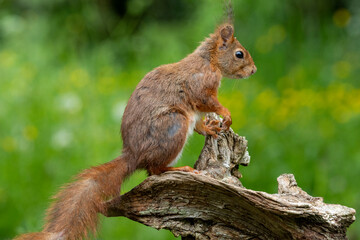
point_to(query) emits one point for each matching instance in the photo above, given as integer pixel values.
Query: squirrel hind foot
(182, 169)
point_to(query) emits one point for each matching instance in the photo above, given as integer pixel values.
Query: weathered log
(214, 205)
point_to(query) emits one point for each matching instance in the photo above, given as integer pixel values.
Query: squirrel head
(232, 59)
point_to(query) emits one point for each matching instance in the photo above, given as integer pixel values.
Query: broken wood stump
(215, 205)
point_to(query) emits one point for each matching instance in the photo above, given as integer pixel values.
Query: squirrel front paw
(226, 123)
(212, 128)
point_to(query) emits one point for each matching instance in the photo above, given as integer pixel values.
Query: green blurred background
(68, 67)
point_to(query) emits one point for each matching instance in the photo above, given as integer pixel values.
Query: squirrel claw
(212, 128)
(226, 123)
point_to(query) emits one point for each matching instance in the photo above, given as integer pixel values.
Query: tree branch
(214, 205)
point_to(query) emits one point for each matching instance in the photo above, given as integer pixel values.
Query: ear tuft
(227, 33)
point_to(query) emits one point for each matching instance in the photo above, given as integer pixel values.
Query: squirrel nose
(254, 70)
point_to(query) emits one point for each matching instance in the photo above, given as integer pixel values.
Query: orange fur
(75, 210)
(38, 236)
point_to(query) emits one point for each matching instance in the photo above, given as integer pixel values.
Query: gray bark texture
(215, 205)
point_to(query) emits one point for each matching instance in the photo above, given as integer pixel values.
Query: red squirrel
(165, 108)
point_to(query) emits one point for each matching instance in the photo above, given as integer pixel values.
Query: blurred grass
(68, 68)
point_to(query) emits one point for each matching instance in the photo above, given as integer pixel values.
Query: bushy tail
(38, 236)
(74, 212)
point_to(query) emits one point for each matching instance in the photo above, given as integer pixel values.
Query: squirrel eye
(239, 54)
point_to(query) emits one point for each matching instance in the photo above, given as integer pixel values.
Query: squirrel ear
(227, 34)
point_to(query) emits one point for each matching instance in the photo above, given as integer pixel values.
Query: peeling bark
(214, 205)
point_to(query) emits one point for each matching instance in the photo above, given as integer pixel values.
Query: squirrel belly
(192, 122)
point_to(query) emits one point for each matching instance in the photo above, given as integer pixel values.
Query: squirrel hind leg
(166, 140)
